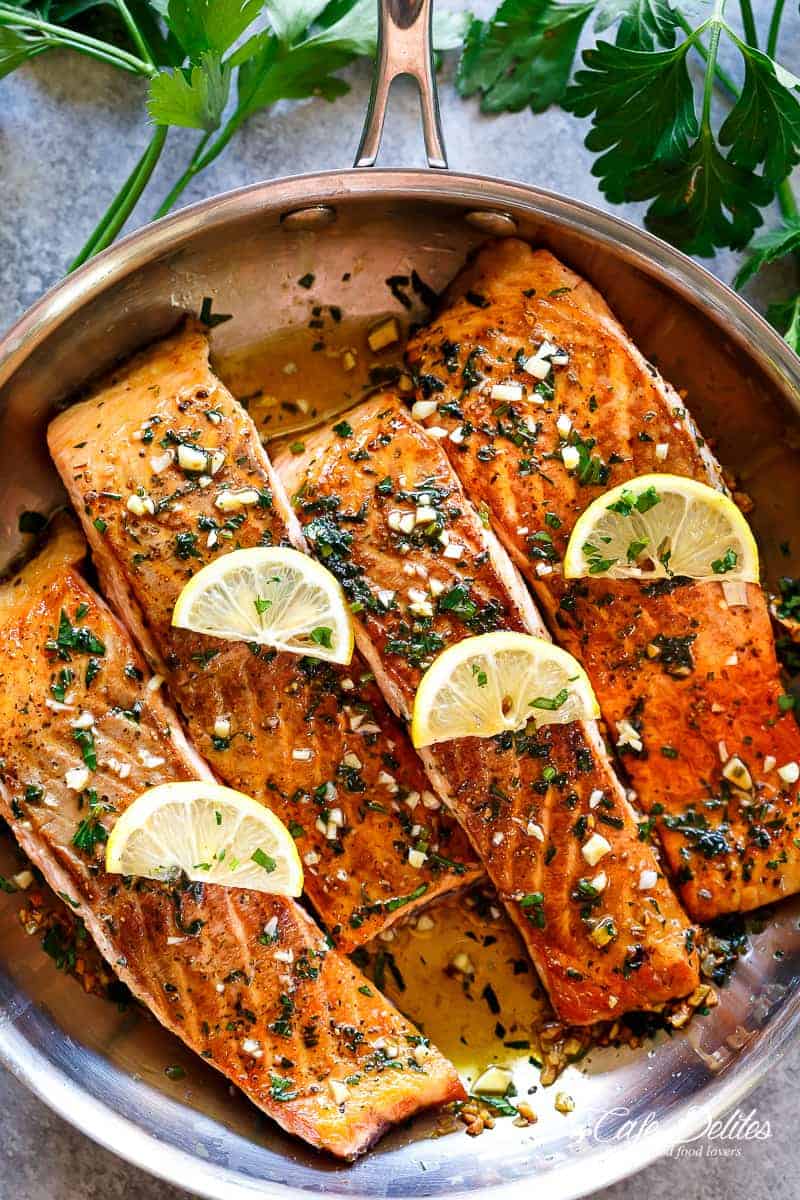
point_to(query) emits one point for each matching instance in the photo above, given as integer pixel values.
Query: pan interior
(106, 1069)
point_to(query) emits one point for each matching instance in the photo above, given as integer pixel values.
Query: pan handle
(404, 48)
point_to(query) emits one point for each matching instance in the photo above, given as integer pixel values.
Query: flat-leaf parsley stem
(137, 37)
(713, 51)
(21, 19)
(203, 156)
(125, 201)
(720, 73)
(774, 28)
(748, 23)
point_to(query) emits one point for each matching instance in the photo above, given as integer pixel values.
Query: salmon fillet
(686, 676)
(427, 575)
(312, 741)
(246, 980)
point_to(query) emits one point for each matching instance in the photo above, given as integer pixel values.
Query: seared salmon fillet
(246, 980)
(166, 472)
(685, 672)
(542, 809)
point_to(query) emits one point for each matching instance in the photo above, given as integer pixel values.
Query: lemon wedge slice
(660, 526)
(499, 681)
(212, 833)
(272, 596)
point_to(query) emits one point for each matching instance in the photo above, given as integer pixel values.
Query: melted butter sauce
(300, 376)
(484, 1015)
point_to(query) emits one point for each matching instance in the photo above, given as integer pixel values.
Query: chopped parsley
(788, 605)
(416, 646)
(550, 703)
(533, 907)
(673, 653)
(481, 678)
(89, 834)
(77, 638)
(59, 688)
(85, 739)
(594, 557)
(264, 860)
(721, 566)
(93, 669)
(458, 602)
(628, 502)
(591, 468)
(186, 545)
(282, 1089)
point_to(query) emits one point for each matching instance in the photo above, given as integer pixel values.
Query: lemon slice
(496, 682)
(272, 596)
(658, 526)
(212, 833)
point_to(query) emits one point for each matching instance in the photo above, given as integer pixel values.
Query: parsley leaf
(704, 201)
(768, 247)
(764, 124)
(194, 99)
(785, 316)
(289, 18)
(17, 47)
(523, 56)
(644, 24)
(350, 24)
(645, 120)
(281, 71)
(642, 105)
(209, 25)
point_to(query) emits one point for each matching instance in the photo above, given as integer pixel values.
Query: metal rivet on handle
(499, 224)
(316, 217)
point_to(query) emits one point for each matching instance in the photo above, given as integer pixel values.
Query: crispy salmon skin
(245, 979)
(543, 809)
(685, 672)
(167, 472)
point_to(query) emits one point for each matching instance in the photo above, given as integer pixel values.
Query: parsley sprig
(657, 143)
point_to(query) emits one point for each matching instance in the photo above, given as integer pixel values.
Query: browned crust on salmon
(529, 802)
(244, 979)
(306, 738)
(730, 849)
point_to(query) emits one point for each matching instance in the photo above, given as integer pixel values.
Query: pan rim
(678, 273)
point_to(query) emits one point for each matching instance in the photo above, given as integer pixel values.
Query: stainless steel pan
(105, 1071)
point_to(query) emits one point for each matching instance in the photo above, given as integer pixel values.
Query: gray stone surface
(69, 132)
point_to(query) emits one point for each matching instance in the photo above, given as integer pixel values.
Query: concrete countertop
(69, 132)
